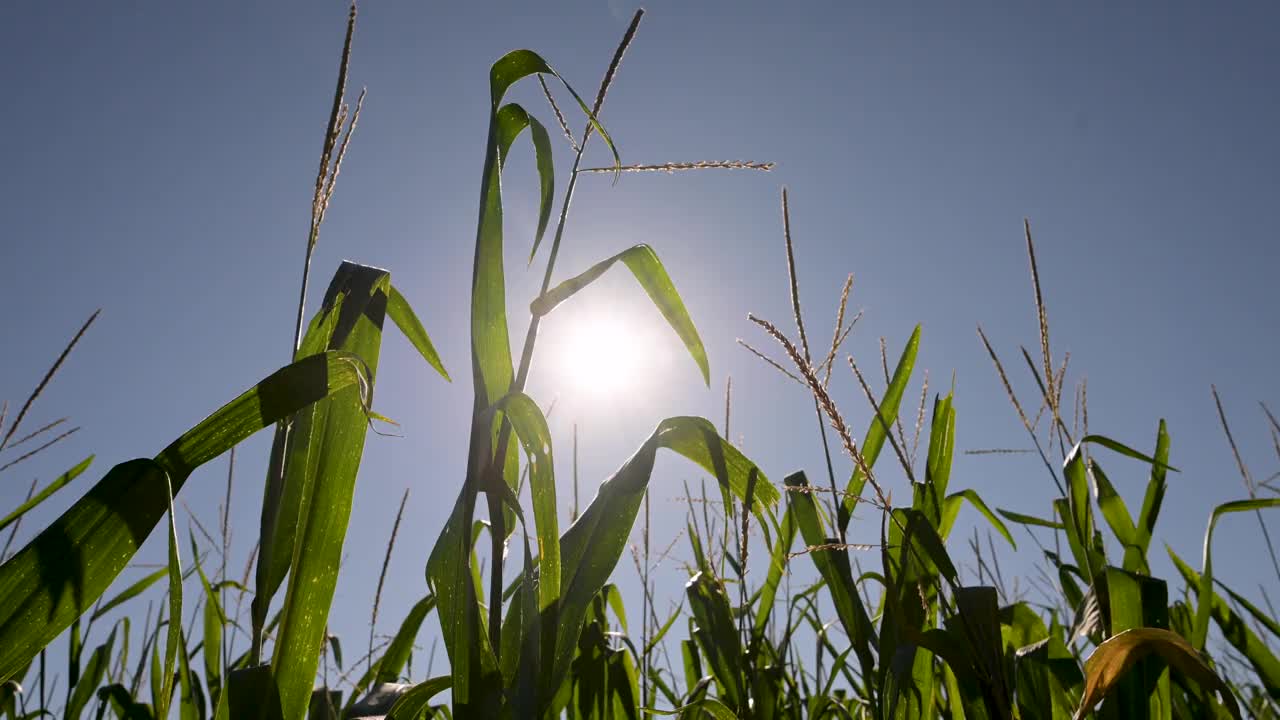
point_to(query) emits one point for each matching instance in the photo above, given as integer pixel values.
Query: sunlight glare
(602, 357)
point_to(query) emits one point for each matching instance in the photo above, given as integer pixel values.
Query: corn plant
(814, 635)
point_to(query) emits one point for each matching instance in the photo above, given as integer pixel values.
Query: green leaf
(214, 621)
(1204, 596)
(415, 703)
(325, 447)
(951, 508)
(1111, 661)
(835, 570)
(1077, 516)
(1137, 601)
(94, 670)
(45, 492)
(530, 426)
(58, 575)
(512, 120)
(873, 442)
(1135, 558)
(591, 547)
(652, 276)
(130, 592)
(777, 566)
(1114, 511)
(173, 644)
(397, 653)
(406, 319)
(1121, 448)
(1029, 520)
(1237, 631)
(355, 295)
(717, 634)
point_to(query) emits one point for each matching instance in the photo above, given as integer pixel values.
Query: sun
(602, 356)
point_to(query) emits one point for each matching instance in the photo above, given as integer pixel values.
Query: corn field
(781, 616)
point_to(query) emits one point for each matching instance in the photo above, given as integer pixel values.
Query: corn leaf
(1135, 558)
(415, 703)
(325, 446)
(652, 276)
(1238, 633)
(402, 314)
(873, 441)
(1112, 660)
(59, 574)
(1204, 595)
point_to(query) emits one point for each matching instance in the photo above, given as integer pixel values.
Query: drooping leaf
(652, 276)
(1204, 595)
(512, 120)
(951, 508)
(591, 547)
(1112, 660)
(1238, 633)
(402, 314)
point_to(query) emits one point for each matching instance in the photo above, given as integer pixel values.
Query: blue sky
(158, 164)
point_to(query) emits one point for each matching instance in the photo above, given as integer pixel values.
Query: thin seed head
(17, 421)
(38, 431)
(616, 62)
(386, 560)
(342, 152)
(38, 450)
(791, 275)
(772, 363)
(1041, 315)
(564, 126)
(826, 403)
(674, 167)
(835, 336)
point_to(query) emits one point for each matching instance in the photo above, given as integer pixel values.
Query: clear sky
(158, 164)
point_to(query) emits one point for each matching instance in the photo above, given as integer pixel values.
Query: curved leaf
(1121, 448)
(512, 120)
(58, 575)
(531, 428)
(652, 276)
(1204, 596)
(951, 508)
(592, 546)
(397, 653)
(402, 315)
(1113, 658)
(413, 704)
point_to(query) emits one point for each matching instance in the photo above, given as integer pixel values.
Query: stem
(497, 519)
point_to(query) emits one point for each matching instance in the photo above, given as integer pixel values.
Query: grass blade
(45, 492)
